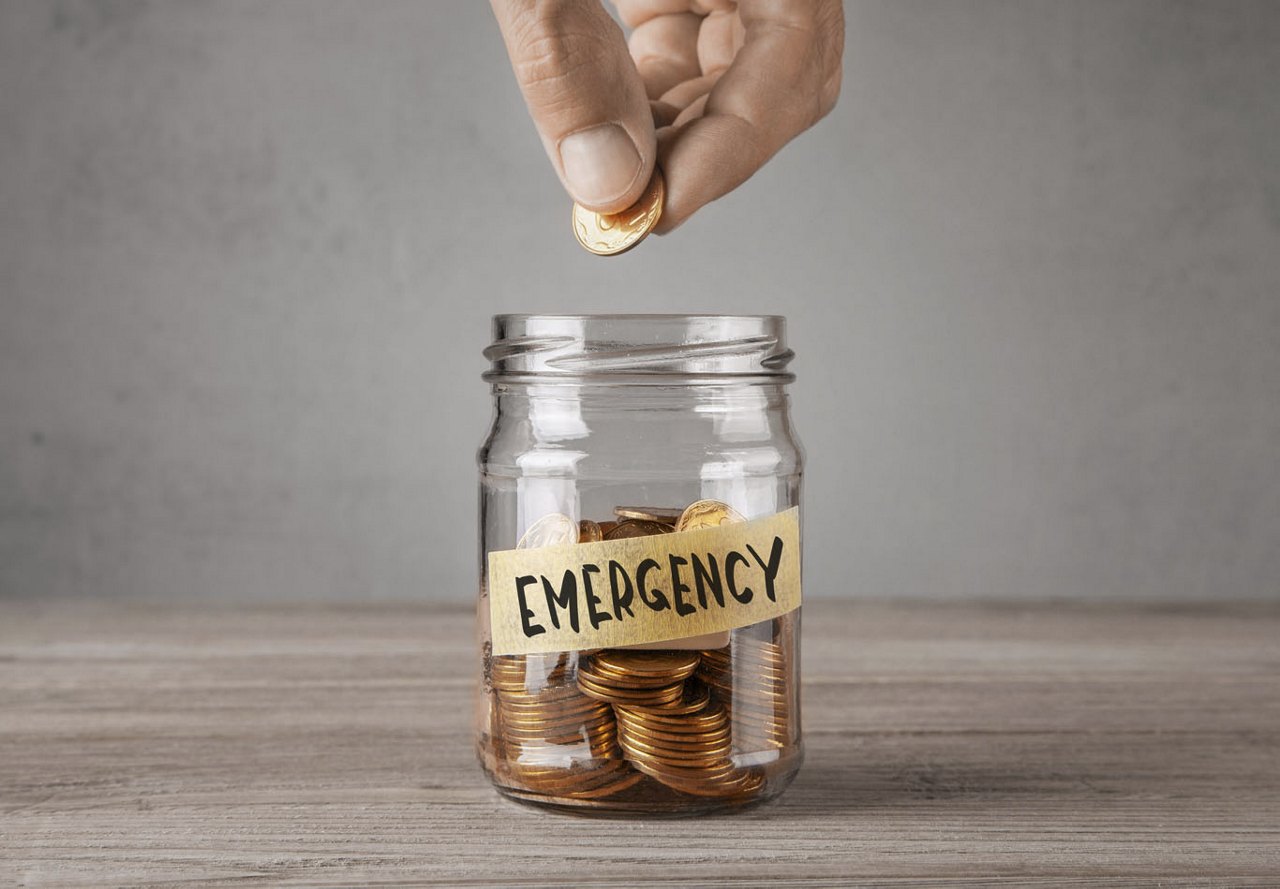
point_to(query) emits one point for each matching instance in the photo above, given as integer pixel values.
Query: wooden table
(947, 745)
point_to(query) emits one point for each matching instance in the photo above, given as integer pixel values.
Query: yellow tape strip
(644, 589)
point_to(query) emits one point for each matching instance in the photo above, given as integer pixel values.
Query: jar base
(650, 799)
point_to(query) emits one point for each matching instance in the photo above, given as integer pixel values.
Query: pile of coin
(593, 725)
(554, 739)
(751, 677)
(637, 678)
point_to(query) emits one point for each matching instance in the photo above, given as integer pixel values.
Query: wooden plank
(947, 745)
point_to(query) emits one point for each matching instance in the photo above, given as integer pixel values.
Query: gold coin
(603, 768)
(602, 664)
(538, 666)
(596, 783)
(684, 779)
(608, 234)
(767, 683)
(603, 746)
(562, 728)
(534, 705)
(535, 719)
(662, 695)
(529, 682)
(643, 697)
(683, 751)
(674, 774)
(707, 514)
(718, 770)
(603, 675)
(664, 514)
(600, 744)
(711, 719)
(636, 528)
(767, 673)
(734, 786)
(672, 664)
(511, 688)
(639, 730)
(711, 759)
(639, 691)
(561, 757)
(550, 530)
(704, 755)
(581, 773)
(696, 698)
(628, 779)
(589, 532)
(533, 727)
(758, 651)
(561, 780)
(531, 722)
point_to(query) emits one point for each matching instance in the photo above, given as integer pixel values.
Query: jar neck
(574, 416)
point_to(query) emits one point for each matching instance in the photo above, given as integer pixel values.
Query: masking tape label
(644, 589)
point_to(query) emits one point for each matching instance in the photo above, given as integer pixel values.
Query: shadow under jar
(651, 430)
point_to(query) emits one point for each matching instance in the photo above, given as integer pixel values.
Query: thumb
(585, 96)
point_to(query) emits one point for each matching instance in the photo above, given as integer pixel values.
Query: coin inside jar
(553, 529)
(707, 514)
(671, 664)
(589, 532)
(665, 515)
(636, 528)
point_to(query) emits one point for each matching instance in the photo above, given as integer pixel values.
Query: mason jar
(639, 563)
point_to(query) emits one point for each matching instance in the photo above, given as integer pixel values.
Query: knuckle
(829, 92)
(554, 48)
(549, 59)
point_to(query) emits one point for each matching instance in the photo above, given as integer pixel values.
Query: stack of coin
(751, 678)
(660, 514)
(588, 725)
(638, 678)
(685, 746)
(554, 739)
(636, 528)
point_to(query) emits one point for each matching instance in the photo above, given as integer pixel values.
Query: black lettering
(678, 586)
(704, 579)
(568, 598)
(771, 569)
(659, 601)
(530, 628)
(596, 617)
(621, 600)
(729, 561)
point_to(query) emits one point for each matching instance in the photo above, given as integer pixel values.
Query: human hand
(710, 89)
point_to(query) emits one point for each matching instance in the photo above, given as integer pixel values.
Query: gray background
(248, 251)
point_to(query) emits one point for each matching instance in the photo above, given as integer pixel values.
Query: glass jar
(638, 483)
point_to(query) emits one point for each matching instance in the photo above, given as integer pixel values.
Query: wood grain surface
(146, 745)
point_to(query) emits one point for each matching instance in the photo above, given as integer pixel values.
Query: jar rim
(636, 316)
(639, 348)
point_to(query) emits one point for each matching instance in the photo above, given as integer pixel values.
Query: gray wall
(248, 251)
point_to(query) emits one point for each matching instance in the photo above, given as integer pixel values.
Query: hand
(710, 89)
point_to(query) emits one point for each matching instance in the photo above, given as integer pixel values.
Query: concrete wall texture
(248, 254)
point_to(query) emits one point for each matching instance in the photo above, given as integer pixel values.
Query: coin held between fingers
(608, 234)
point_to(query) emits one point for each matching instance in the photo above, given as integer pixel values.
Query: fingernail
(600, 164)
